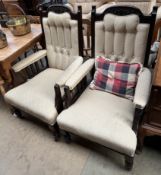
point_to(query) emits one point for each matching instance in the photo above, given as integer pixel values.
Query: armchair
(102, 117)
(63, 55)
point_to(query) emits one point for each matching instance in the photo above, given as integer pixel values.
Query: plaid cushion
(115, 77)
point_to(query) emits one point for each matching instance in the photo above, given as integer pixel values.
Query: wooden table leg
(5, 72)
(146, 130)
(141, 135)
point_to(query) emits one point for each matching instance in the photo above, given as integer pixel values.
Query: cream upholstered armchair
(121, 33)
(63, 51)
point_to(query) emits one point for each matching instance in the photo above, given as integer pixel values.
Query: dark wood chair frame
(120, 11)
(59, 100)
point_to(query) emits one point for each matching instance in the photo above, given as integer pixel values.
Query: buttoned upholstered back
(122, 37)
(62, 39)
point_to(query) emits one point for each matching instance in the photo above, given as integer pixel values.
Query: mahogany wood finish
(151, 124)
(17, 45)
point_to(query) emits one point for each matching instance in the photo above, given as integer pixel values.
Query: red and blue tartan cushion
(116, 77)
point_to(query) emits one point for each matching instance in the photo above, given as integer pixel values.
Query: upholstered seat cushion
(103, 118)
(37, 96)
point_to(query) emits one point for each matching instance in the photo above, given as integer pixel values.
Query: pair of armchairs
(120, 33)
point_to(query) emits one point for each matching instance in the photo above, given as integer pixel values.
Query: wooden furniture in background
(3, 14)
(14, 10)
(157, 72)
(151, 124)
(2, 91)
(17, 2)
(16, 47)
(29, 6)
(156, 30)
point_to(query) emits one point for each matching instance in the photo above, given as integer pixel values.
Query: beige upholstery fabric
(103, 118)
(37, 96)
(127, 38)
(159, 13)
(61, 34)
(144, 5)
(102, 8)
(70, 70)
(29, 60)
(143, 88)
(83, 70)
(86, 5)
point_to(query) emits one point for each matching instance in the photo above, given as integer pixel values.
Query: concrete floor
(28, 148)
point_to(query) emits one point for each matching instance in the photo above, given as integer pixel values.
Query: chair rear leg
(56, 131)
(17, 112)
(129, 162)
(67, 137)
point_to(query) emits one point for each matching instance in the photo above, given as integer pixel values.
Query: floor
(28, 148)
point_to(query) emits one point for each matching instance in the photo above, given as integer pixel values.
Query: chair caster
(67, 137)
(17, 113)
(138, 151)
(129, 162)
(140, 144)
(56, 137)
